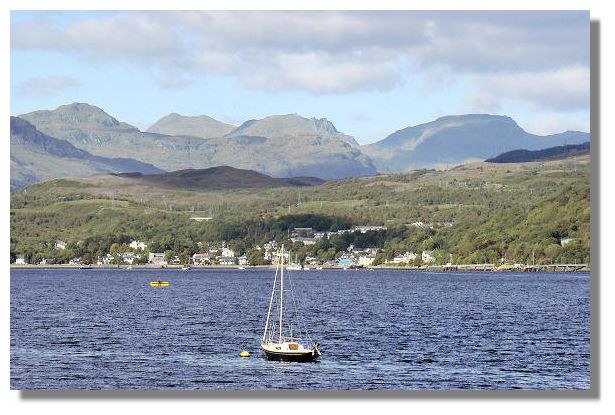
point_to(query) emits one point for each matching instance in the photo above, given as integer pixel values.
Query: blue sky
(370, 73)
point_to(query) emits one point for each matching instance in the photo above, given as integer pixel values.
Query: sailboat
(284, 339)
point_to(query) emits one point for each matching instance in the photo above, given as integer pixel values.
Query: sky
(369, 72)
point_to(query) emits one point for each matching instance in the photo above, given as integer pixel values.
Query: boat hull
(307, 356)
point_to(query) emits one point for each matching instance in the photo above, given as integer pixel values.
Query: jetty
(512, 267)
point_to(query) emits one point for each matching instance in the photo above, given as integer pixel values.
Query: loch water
(381, 329)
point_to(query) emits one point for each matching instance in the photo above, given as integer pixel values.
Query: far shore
(448, 267)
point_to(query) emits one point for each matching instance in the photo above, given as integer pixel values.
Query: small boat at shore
(159, 283)
(85, 267)
(186, 268)
(286, 339)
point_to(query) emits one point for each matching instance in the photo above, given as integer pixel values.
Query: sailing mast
(281, 291)
(275, 280)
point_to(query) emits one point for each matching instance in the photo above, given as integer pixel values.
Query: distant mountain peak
(286, 124)
(455, 139)
(76, 114)
(202, 126)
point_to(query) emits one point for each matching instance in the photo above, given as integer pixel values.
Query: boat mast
(281, 291)
(275, 281)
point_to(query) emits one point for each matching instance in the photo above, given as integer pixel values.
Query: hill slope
(518, 211)
(36, 156)
(197, 126)
(278, 146)
(456, 139)
(218, 178)
(551, 153)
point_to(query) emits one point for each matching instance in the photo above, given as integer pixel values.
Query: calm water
(108, 329)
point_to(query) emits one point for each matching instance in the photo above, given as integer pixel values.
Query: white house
(227, 252)
(565, 241)
(60, 244)
(243, 260)
(138, 245)
(20, 260)
(106, 260)
(366, 260)
(156, 258)
(129, 257)
(43, 261)
(224, 260)
(368, 228)
(427, 256)
(75, 261)
(201, 258)
(406, 258)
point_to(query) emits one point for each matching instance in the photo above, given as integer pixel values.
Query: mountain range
(36, 156)
(453, 140)
(279, 145)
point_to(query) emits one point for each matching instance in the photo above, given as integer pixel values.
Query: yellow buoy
(244, 354)
(159, 283)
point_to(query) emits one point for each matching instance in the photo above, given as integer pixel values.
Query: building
(20, 260)
(427, 257)
(270, 247)
(129, 257)
(43, 261)
(366, 260)
(201, 258)
(310, 260)
(138, 245)
(406, 258)
(346, 260)
(106, 260)
(75, 261)
(156, 258)
(565, 241)
(224, 260)
(243, 260)
(60, 244)
(304, 240)
(227, 252)
(368, 228)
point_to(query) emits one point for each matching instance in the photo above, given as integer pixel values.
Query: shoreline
(457, 268)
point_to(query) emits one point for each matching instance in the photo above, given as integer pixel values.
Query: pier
(512, 267)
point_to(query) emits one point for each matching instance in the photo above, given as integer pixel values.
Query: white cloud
(45, 86)
(565, 89)
(536, 57)
(552, 123)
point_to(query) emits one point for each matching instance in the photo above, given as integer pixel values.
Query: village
(220, 254)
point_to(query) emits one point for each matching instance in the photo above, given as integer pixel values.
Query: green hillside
(517, 211)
